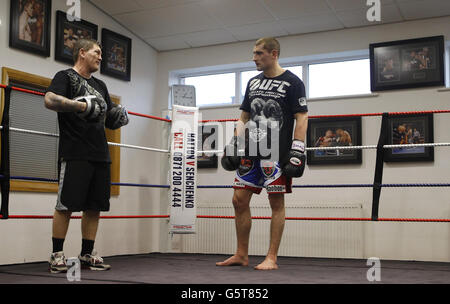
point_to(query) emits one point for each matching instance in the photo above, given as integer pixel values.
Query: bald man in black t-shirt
(84, 109)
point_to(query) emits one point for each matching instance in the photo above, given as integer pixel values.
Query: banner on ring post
(183, 169)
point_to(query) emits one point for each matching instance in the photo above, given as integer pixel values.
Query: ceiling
(179, 24)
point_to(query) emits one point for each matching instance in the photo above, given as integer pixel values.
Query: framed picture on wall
(410, 129)
(68, 32)
(116, 55)
(207, 141)
(403, 64)
(334, 132)
(29, 28)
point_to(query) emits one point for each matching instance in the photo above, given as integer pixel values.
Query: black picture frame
(410, 129)
(404, 64)
(67, 32)
(333, 132)
(29, 28)
(116, 50)
(207, 141)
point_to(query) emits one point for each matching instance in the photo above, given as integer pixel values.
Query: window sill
(343, 97)
(218, 106)
(370, 95)
(309, 99)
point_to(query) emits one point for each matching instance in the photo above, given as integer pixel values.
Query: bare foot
(234, 261)
(267, 264)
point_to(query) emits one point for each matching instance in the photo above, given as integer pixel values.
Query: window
(339, 78)
(245, 77)
(296, 69)
(346, 75)
(213, 89)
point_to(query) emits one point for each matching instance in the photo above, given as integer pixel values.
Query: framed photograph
(29, 28)
(406, 64)
(207, 141)
(116, 55)
(334, 132)
(410, 129)
(68, 32)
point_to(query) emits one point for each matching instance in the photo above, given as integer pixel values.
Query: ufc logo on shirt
(268, 85)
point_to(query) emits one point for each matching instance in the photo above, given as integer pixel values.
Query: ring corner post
(378, 177)
(5, 161)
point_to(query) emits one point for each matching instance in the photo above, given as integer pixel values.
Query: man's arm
(240, 126)
(231, 159)
(301, 125)
(60, 103)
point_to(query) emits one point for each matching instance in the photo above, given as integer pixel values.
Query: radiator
(334, 239)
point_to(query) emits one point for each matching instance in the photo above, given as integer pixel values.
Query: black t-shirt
(273, 100)
(80, 139)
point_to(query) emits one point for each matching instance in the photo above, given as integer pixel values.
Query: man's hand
(116, 117)
(295, 163)
(230, 160)
(95, 107)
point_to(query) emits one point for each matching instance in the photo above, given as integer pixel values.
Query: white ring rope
(109, 143)
(220, 152)
(357, 147)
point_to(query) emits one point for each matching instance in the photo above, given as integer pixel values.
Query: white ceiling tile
(358, 17)
(169, 21)
(284, 9)
(311, 23)
(256, 31)
(237, 12)
(151, 4)
(354, 4)
(117, 7)
(424, 9)
(168, 43)
(179, 24)
(399, 1)
(212, 37)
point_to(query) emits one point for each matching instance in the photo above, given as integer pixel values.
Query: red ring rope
(149, 116)
(23, 90)
(226, 120)
(363, 219)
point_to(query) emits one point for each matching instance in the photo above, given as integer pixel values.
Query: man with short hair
(274, 101)
(84, 109)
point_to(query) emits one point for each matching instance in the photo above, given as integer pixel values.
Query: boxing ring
(189, 268)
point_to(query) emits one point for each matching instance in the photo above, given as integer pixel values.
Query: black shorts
(83, 185)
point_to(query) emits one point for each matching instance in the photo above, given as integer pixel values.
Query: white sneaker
(93, 261)
(57, 262)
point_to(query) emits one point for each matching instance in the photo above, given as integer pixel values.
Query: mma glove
(95, 107)
(116, 117)
(230, 160)
(295, 163)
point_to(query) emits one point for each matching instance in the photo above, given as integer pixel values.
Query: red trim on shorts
(283, 184)
(241, 185)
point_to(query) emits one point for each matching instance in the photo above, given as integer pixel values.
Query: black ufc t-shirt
(80, 139)
(273, 102)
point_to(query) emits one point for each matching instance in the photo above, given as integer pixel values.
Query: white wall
(26, 241)
(408, 241)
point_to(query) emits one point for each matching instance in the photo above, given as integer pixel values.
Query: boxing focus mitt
(95, 107)
(116, 117)
(295, 162)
